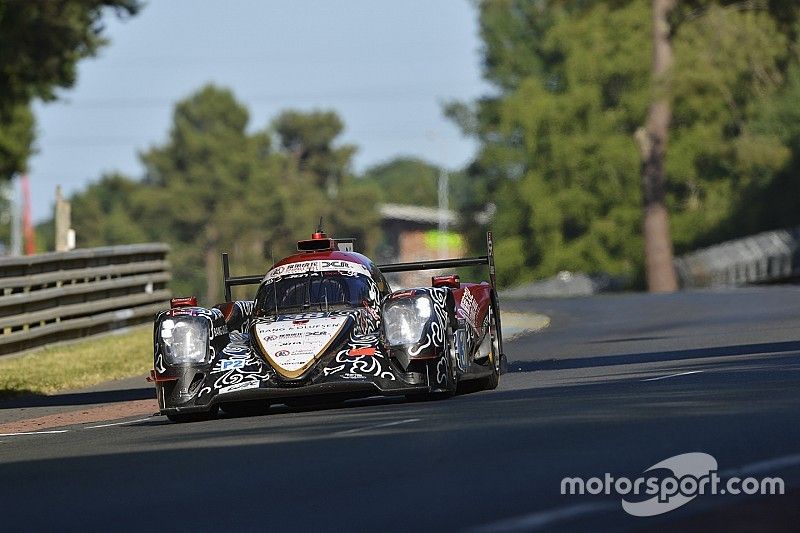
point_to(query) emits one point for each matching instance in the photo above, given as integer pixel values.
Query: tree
(557, 152)
(405, 180)
(318, 182)
(216, 187)
(41, 42)
(209, 185)
(16, 139)
(652, 141)
(105, 213)
(308, 139)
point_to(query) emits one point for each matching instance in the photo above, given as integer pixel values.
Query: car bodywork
(325, 322)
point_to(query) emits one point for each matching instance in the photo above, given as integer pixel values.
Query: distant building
(411, 233)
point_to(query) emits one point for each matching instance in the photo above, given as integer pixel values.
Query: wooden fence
(59, 296)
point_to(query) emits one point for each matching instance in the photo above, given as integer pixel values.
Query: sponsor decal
(302, 316)
(469, 308)
(352, 375)
(219, 330)
(229, 364)
(244, 385)
(291, 351)
(317, 266)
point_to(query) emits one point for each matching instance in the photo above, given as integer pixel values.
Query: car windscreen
(312, 291)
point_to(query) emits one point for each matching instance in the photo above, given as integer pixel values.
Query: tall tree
(318, 182)
(41, 42)
(409, 180)
(105, 213)
(203, 181)
(216, 187)
(652, 140)
(308, 138)
(557, 151)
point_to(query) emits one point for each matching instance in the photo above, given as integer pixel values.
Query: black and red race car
(325, 325)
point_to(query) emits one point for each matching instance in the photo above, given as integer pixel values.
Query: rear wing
(488, 260)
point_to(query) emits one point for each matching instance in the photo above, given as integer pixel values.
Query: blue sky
(385, 66)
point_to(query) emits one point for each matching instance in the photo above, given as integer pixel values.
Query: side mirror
(452, 281)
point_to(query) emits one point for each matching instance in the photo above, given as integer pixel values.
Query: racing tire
(181, 418)
(496, 359)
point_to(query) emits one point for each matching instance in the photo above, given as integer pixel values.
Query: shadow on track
(652, 357)
(77, 398)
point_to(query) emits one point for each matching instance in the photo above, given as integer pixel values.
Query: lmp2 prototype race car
(325, 326)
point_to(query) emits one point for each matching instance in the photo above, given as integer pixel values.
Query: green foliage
(81, 364)
(308, 139)
(41, 42)
(201, 187)
(103, 213)
(410, 180)
(557, 142)
(405, 180)
(16, 139)
(215, 186)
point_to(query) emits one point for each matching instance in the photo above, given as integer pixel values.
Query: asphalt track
(615, 384)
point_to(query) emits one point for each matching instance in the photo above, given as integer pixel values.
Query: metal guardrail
(60, 296)
(768, 257)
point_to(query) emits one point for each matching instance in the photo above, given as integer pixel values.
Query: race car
(324, 325)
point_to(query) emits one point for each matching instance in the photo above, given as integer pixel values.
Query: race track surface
(615, 384)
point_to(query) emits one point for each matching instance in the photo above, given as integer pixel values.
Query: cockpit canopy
(314, 291)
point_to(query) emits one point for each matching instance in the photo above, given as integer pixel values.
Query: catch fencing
(768, 257)
(59, 296)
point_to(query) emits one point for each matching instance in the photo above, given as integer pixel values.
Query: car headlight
(404, 319)
(185, 340)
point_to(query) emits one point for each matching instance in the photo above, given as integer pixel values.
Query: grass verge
(77, 365)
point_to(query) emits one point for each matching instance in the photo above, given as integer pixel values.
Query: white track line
(674, 375)
(49, 432)
(548, 518)
(377, 426)
(118, 423)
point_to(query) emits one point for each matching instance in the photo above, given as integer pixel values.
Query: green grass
(77, 365)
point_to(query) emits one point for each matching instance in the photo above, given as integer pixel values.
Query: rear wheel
(495, 357)
(194, 417)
